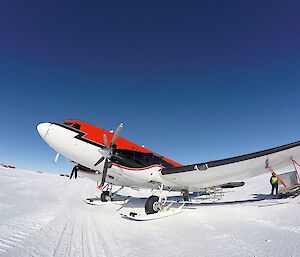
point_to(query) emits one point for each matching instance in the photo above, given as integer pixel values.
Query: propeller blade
(99, 161)
(105, 140)
(73, 171)
(116, 134)
(104, 173)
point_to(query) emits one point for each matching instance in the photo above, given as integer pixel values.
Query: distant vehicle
(105, 157)
(7, 166)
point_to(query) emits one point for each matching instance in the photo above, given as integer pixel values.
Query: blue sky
(192, 80)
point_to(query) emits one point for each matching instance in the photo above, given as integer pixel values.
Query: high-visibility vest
(274, 180)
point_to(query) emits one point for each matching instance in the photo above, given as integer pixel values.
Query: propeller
(74, 172)
(107, 152)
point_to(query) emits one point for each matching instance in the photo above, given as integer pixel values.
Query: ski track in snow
(17, 230)
(44, 215)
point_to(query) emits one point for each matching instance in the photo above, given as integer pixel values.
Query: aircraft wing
(215, 173)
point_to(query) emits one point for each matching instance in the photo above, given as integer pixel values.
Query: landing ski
(144, 217)
(97, 201)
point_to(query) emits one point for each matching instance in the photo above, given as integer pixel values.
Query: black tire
(105, 196)
(150, 204)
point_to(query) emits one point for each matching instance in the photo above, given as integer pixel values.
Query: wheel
(105, 196)
(152, 205)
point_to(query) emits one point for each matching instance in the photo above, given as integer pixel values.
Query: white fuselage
(70, 143)
(64, 141)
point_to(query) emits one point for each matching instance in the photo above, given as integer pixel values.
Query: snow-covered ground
(44, 215)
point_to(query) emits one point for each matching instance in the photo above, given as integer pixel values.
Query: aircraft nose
(43, 129)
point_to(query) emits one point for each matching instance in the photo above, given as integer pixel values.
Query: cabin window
(132, 158)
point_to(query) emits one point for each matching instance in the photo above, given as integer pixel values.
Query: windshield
(72, 124)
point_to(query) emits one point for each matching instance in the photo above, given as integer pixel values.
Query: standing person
(274, 183)
(185, 195)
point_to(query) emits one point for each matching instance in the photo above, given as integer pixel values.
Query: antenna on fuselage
(56, 158)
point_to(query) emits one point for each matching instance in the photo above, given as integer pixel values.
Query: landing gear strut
(154, 203)
(108, 195)
(156, 207)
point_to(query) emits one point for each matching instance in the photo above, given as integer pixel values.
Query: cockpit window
(68, 123)
(73, 125)
(76, 126)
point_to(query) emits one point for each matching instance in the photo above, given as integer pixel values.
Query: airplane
(105, 157)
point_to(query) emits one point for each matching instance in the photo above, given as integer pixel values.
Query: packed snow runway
(44, 215)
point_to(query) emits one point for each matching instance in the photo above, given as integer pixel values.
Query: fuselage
(132, 165)
(136, 166)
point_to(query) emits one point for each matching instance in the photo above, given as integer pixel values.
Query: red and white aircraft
(104, 156)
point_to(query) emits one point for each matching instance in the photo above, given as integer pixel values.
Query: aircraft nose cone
(43, 129)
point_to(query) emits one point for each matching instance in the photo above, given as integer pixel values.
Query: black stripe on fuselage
(80, 135)
(211, 164)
